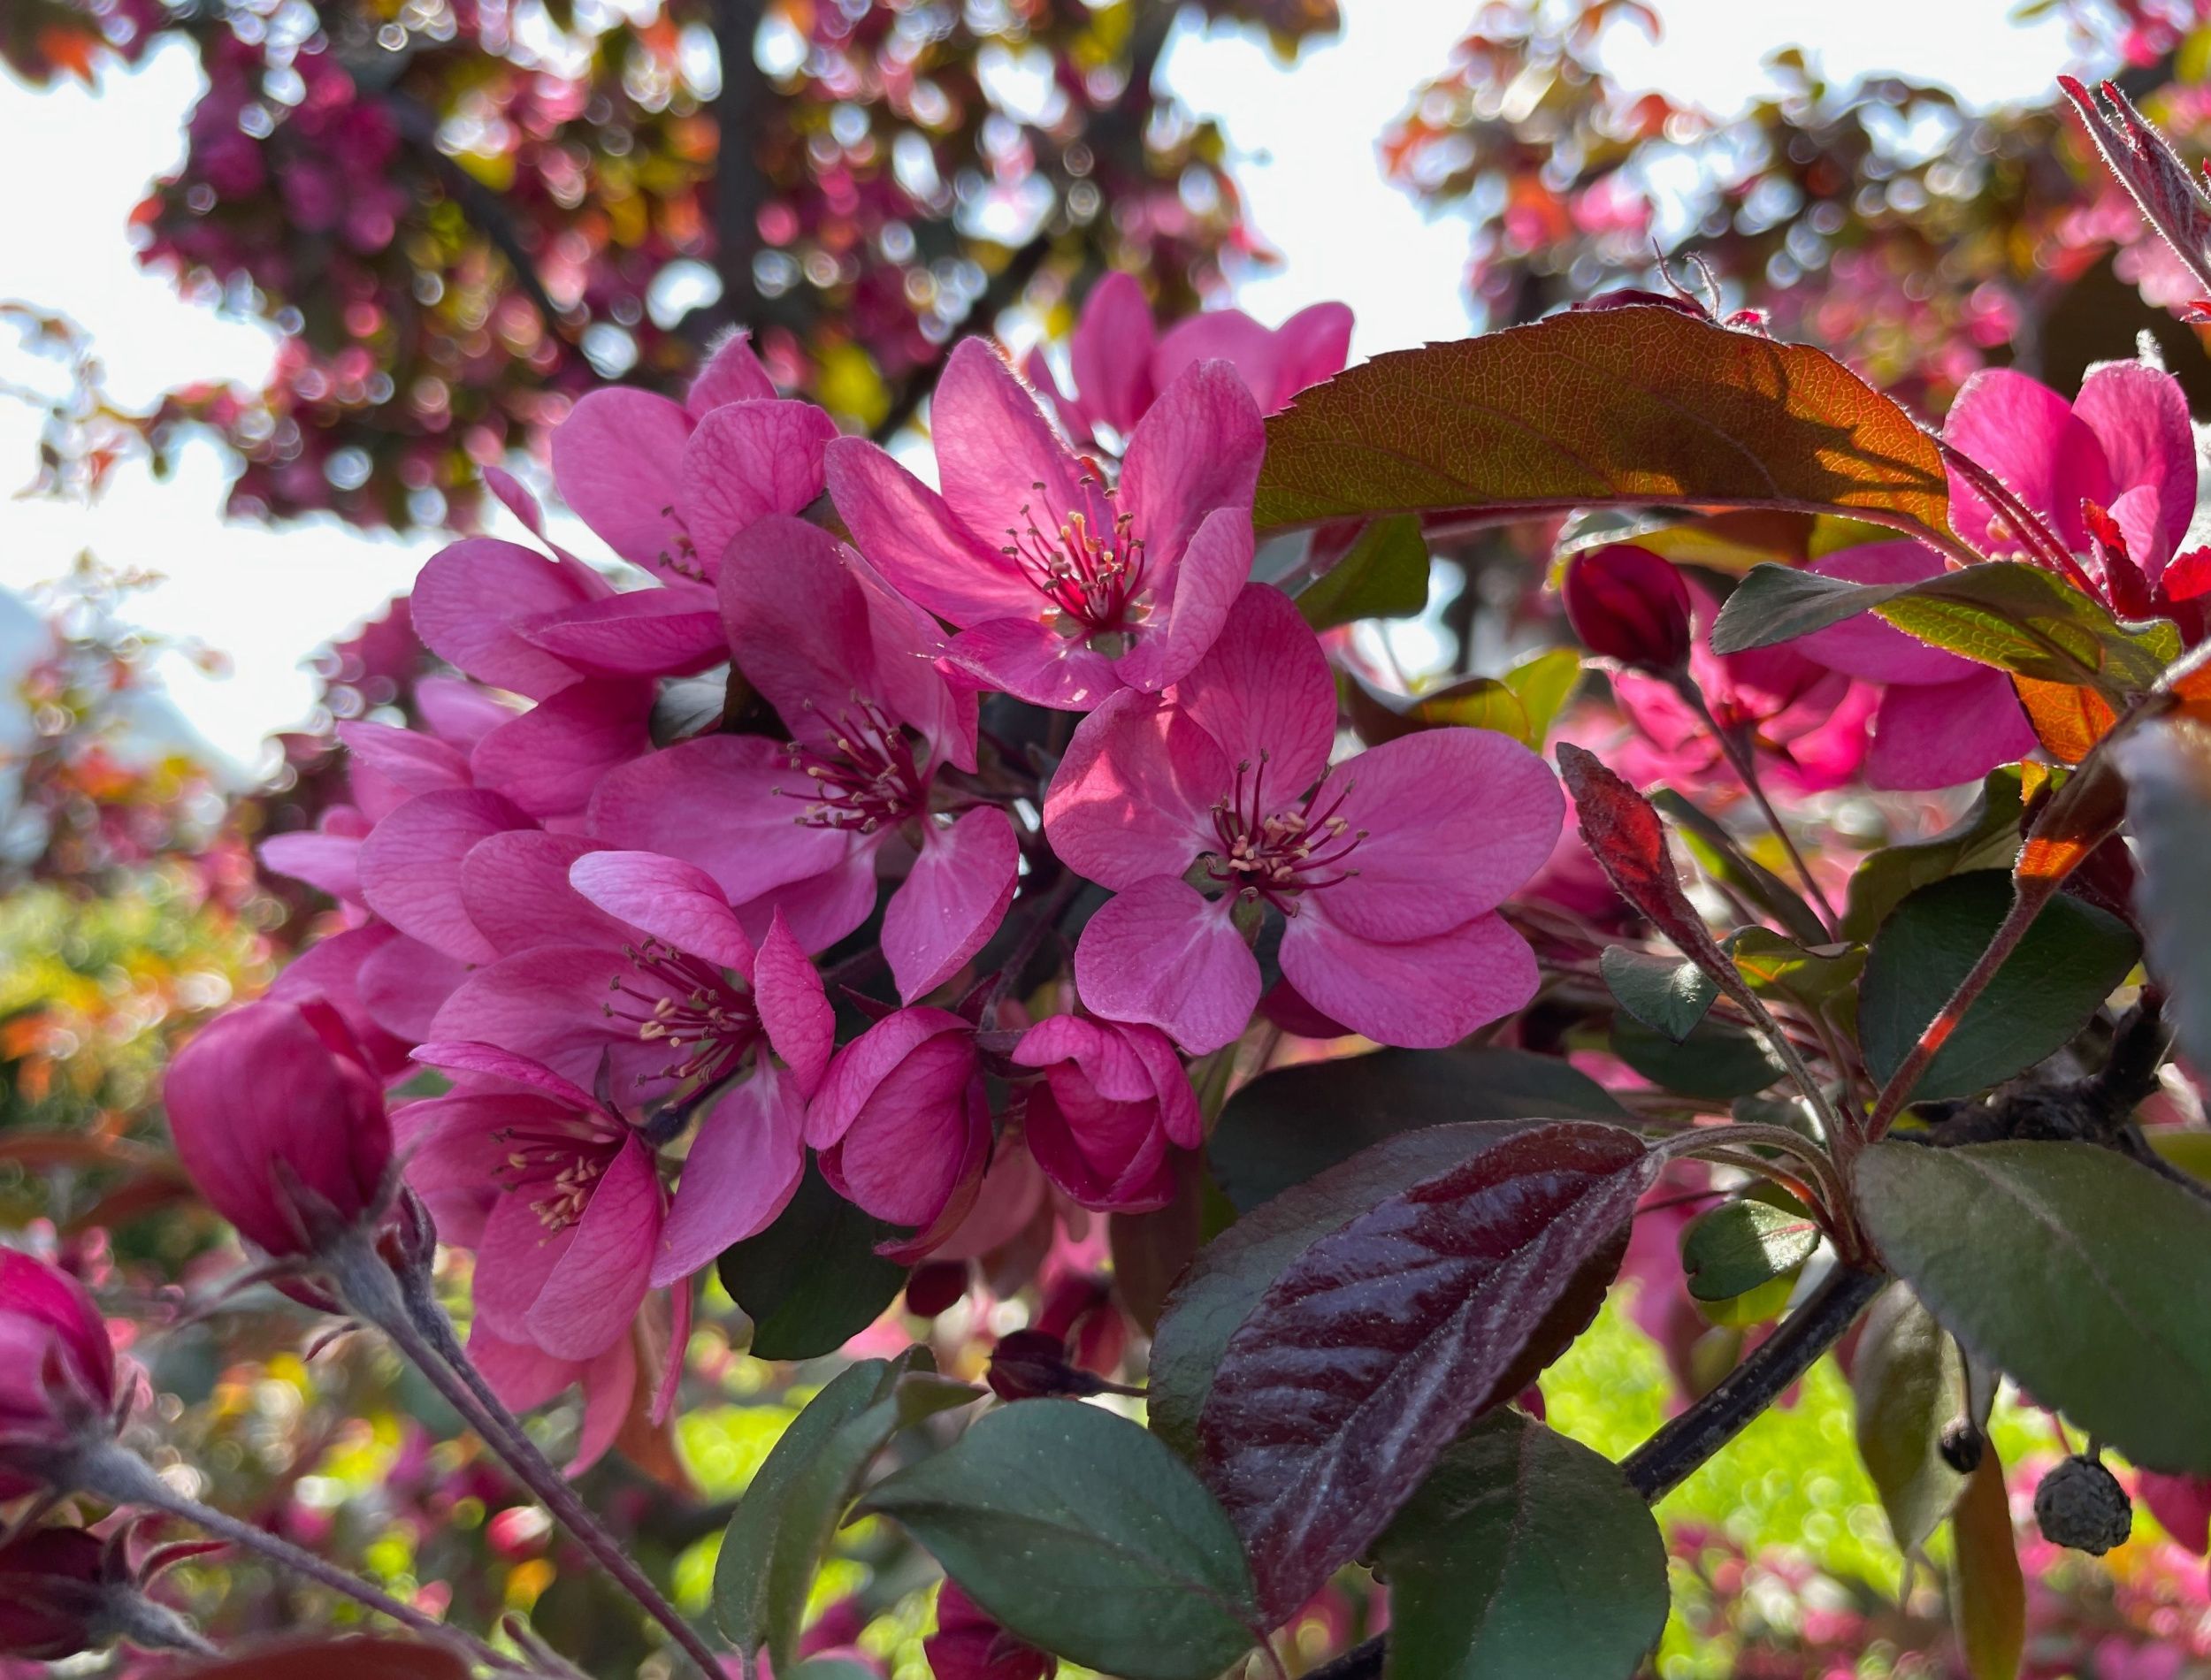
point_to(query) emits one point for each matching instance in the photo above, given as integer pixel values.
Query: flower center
(1281, 854)
(689, 1004)
(1088, 566)
(866, 779)
(561, 1164)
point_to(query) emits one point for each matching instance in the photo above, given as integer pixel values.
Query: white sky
(268, 598)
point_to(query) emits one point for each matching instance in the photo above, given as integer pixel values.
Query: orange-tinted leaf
(2068, 720)
(351, 1659)
(2080, 816)
(1635, 406)
(1988, 1595)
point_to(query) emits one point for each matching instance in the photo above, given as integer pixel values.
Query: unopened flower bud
(64, 1590)
(969, 1646)
(1627, 604)
(58, 1381)
(2080, 1504)
(935, 1288)
(280, 1124)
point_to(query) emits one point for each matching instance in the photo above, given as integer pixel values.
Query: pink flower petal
(1422, 994)
(417, 763)
(1028, 658)
(798, 623)
(329, 863)
(458, 711)
(915, 1140)
(820, 909)
(489, 1067)
(514, 886)
(1133, 797)
(410, 866)
(1264, 691)
(668, 898)
(610, 1389)
(908, 533)
(1311, 345)
(550, 759)
(1110, 353)
(1867, 645)
(743, 1168)
(953, 901)
(995, 453)
(1160, 953)
(404, 984)
(515, 1254)
(521, 1373)
(1949, 734)
(1198, 450)
(795, 1009)
(1455, 821)
(475, 598)
(2029, 437)
(548, 1004)
(615, 459)
(746, 461)
(732, 373)
(718, 802)
(595, 1287)
(669, 631)
(2139, 416)
(1213, 574)
(865, 1063)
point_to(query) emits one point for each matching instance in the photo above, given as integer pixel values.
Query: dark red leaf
(347, 1658)
(1371, 1352)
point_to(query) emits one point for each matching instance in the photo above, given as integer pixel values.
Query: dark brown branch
(741, 111)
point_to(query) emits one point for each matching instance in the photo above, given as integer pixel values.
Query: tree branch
(741, 112)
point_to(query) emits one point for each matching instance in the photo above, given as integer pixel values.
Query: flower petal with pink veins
(331, 969)
(458, 711)
(1264, 690)
(795, 1009)
(418, 763)
(595, 1288)
(916, 1137)
(514, 1256)
(732, 373)
(2139, 416)
(1455, 819)
(906, 529)
(1109, 355)
(716, 802)
(329, 863)
(1214, 569)
(746, 461)
(820, 909)
(673, 631)
(995, 453)
(549, 759)
(946, 909)
(1951, 733)
(404, 983)
(668, 898)
(2029, 437)
(615, 460)
(1133, 797)
(1311, 345)
(1197, 451)
(521, 1373)
(492, 1067)
(1421, 995)
(798, 623)
(1161, 952)
(548, 1004)
(474, 599)
(410, 866)
(863, 1065)
(515, 887)
(742, 1171)
(1030, 660)
(1868, 647)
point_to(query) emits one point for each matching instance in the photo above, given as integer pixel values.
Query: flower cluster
(589, 886)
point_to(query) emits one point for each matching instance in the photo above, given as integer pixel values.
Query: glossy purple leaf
(1369, 1354)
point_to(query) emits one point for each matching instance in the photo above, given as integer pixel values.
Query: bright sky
(269, 599)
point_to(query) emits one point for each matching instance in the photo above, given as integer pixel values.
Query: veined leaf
(1988, 1593)
(1985, 837)
(1908, 1384)
(811, 1281)
(1669, 994)
(1384, 576)
(1741, 1246)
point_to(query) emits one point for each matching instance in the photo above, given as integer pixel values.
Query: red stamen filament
(867, 779)
(692, 1006)
(1281, 855)
(1089, 567)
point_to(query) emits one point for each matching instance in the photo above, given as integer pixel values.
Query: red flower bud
(935, 1288)
(64, 1590)
(1627, 604)
(969, 1646)
(57, 1380)
(280, 1124)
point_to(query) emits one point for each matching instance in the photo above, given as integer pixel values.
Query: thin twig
(1745, 770)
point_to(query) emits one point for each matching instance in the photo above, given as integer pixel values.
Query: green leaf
(1988, 1591)
(1523, 1553)
(2017, 618)
(1741, 1246)
(1543, 685)
(1084, 1536)
(2082, 1275)
(1286, 1126)
(1719, 857)
(2167, 769)
(1385, 575)
(1669, 994)
(1908, 1384)
(2044, 994)
(1988, 837)
(1718, 1060)
(1771, 962)
(1639, 406)
(811, 1281)
(783, 1523)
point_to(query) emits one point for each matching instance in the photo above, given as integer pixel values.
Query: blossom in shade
(1064, 588)
(674, 1000)
(57, 1375)
(969, 1646)
(1113, 1099)
(555, 1189)
(1942, 720)
(64, 1589)
(1387, 869)
(902, 1122)
(279, 1121)
(1121, 361)
(803, 826)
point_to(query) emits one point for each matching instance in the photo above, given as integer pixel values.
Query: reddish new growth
(1281, 857)
(1089, 568)
(701, 1012)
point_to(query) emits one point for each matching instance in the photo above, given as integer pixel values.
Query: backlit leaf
(1909, 1384)
(1719, 857)
(1366, 1357)
(2082, 1275)
(1669, 994)
(1384, 576)
(1638, 406)
(1740, 1246)
(1988, 1593)
(1985, 837)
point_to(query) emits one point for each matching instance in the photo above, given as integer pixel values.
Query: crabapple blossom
(58, 1382)
(1113, 1099)
(1064, 588)
(1387, 869)
(903, 1124)
(1628, 604)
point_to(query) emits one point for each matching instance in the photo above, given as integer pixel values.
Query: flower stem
(403, 1306)
(115, 1473)
(1745, 769)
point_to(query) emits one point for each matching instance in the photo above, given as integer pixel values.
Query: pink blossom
(280, 1124)
(2181, 1506)
(57, 1376)
(968, 1645)
(902, 1123)
(806, 826)
(555, 1191)
(673, 1001)
(525, 1377)
(1942, 720)
(1387, 869)
(1063, 588)
(1121, 361)
(1113, 1097)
